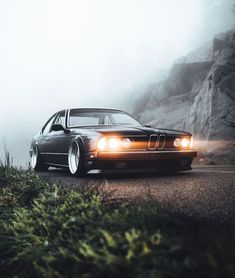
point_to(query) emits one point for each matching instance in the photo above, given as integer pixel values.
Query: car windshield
(96, 118)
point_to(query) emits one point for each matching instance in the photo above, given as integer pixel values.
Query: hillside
(198, 95)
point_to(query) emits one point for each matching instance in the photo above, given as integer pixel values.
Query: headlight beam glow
(113, 143)
(185, 142)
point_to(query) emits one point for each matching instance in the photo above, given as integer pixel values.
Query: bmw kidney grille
(156, 142)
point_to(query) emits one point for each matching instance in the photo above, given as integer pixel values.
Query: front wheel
(36, 160)
(76, 159)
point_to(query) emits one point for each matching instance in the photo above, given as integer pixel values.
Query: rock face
(199, 96)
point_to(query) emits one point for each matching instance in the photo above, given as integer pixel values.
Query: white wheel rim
(34, 157)
(74, 157)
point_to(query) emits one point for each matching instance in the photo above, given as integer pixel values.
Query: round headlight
(102, 144)
(114, 143)
(185, 143)
(126, 142)
(177, 142)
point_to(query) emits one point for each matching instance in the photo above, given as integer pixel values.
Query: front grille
(157, 142)
(153, 142)
(162, 140)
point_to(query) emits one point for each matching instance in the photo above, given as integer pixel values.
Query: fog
(57, 54)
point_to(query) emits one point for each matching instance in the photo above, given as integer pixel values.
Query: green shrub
(50, 231)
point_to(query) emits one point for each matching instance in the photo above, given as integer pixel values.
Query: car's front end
(157, 149)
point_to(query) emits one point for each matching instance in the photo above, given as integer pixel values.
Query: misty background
(59, 54)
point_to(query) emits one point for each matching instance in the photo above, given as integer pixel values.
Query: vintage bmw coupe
(93, 138)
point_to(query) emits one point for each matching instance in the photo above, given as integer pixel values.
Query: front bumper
(168, 160)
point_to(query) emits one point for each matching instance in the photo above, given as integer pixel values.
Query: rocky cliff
(198, 95)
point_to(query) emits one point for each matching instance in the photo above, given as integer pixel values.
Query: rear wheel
(76, 159)
(36, 160)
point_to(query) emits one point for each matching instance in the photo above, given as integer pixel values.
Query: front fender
(89, 142)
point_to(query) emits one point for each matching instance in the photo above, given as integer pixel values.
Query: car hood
(129, 130)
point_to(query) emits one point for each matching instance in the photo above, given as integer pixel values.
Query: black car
(93, 138)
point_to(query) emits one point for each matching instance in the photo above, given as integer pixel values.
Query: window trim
(59, 114)
(121, 112)
(47, 122)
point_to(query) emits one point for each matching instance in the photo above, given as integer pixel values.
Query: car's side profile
(83, 139)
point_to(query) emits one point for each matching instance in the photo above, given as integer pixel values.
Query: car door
(44, 141)
(59, 142)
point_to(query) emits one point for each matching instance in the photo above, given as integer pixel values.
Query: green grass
(50, 231)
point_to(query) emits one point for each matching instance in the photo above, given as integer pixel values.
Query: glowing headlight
(113, 143)
(102, 144)
(185, 142)
(177, 143)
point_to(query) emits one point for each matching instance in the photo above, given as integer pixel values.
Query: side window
(107, 120)
(60, 119)
(47, 127)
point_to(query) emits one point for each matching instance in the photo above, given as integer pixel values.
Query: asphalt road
(205, 192)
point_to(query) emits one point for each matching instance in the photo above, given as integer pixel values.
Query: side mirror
(147, 125)
(58, 127)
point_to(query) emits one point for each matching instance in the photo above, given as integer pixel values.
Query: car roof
(97, 109)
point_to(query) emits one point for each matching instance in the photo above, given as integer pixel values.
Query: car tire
(36, 160)
(76, 159)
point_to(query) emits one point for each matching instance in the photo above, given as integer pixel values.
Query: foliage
(49, 231)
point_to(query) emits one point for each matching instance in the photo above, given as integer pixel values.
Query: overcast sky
(56, 54)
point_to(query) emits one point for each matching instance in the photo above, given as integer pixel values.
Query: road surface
(205, 192)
